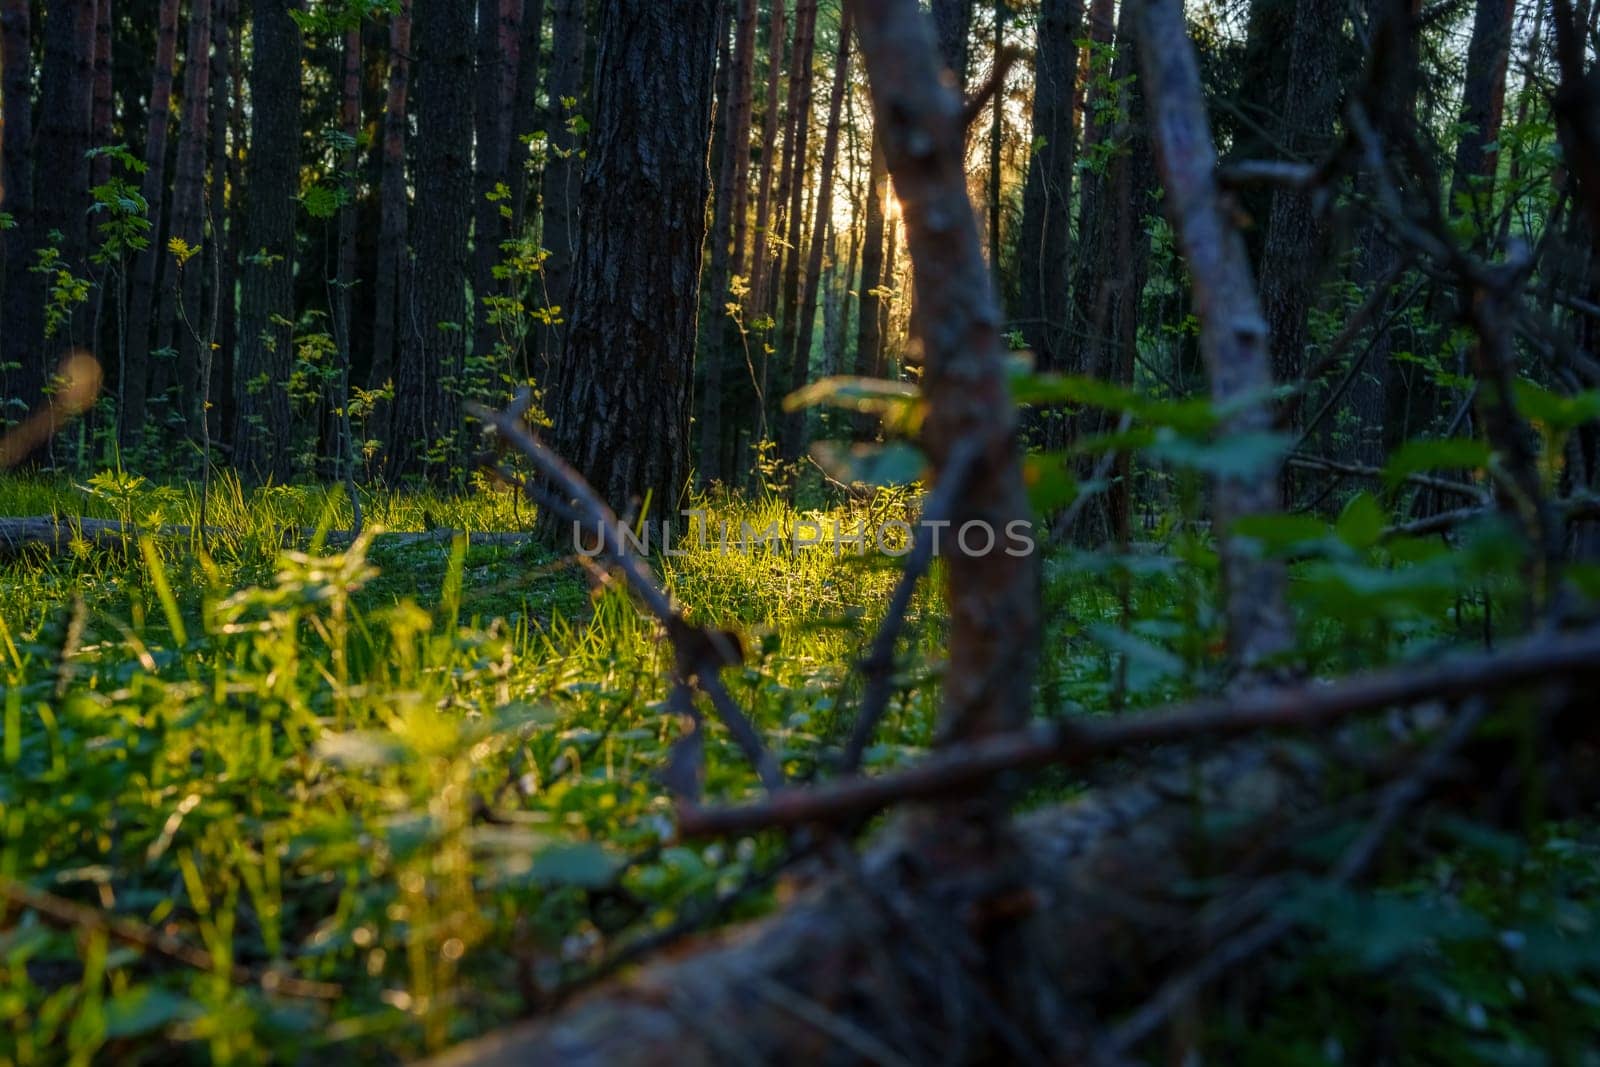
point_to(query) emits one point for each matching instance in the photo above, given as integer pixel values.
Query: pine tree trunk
(21, 317)
(103, 102)
(728, 234)
(562, 175)
(1295, 243)
(499, 43)
(429, 381)
(800, 357)
(952, 21)
(771, 119)
(61, 164)
(179, 317)
(1482, 108)
(525, 110)
(1044, 246)
(263, 440)
(997, 129)
(623, 417)
(393, 199)
(795, 160)
(869, 335)
(344, 291)
(222, 251)
(142, 289)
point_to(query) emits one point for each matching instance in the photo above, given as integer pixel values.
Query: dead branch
(701, 652)
(1079, 740)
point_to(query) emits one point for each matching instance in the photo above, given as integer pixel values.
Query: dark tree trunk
(562, 173)
(800, 359)
(21, 317)
(727, 238)
(952, 20)
(344, 290)
(1044, 246)
(524, 110)
(997, 128)
(427, 409)
(222, 251)
(794, 183)
(180, 318)
(626, 367)
(393, 200)
(61, 164)
(499, 43)
(869, 334)
(760, 269)
(103, 103)
(1296, 239)
(146, 267)
(263, 443)
(1482, 108)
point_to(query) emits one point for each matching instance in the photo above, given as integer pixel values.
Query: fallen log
(912, 954)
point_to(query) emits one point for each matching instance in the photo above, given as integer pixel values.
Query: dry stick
(1079, 741)
(68, 914)
(593, 512)
(1394, 802)
(879, 664)
(1357, 470)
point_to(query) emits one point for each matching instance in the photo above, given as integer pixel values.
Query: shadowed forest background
(349, 347)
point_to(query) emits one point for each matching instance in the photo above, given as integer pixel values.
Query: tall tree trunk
(800, 358)
(21, 317)
(1482, 107)
(1295, 243)
(997, 127)
(222, 251)
(61, 164)
(1044, 246)
(499, 42)
(344, 291)
(180, 315)
(800, 89)
(771, 119)
(263, 439)
(952, 20)
(427, 434)
(393, 201)
(146, 266)
(869, 334)
(1233, 332)
(728, 234)
(626, 367)
(524, 110)
(103, 106)
(562, 173)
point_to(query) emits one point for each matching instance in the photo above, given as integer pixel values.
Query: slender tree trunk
(429, 381)
(562, 173)
(222, 250)
(61, 164)
(627, 364)
(760, 270)
(869, 334)
(142, 289)
(499, 42)
(800, 359)
(525, 110)
(1044, 246)
(1482, 108)
(393, 201)
(263, 439)
(21, 317)
(180, 315)
(103, 106)
(728, 234)
(952, 21)
(800, 90)
(997, 128)
(1233, 332)
(344, 291)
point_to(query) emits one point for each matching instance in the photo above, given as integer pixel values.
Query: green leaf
(1193, 416)
(1362, 522)
(876, 395)
(145, 1008)
(1244, 455)
(896, 463)
(1281, 532)
(1559, 413)
(1147, 663)
(1049, 481)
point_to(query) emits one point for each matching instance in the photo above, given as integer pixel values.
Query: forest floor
(260, 803)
